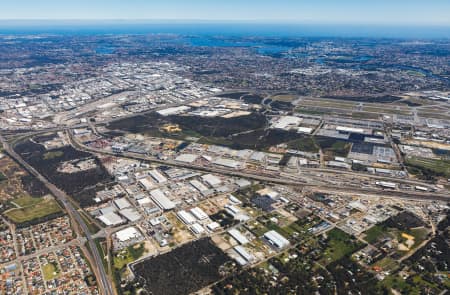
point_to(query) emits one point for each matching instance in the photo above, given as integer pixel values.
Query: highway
(104, 282)
(279, 179)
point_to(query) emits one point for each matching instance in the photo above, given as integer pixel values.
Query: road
(279, 179)
(104, 282)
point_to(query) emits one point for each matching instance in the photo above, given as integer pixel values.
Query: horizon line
(206, 21)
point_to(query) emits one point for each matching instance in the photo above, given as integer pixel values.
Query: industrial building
(199, 213)
(212, 180)
(240, 238)
(186, 217)
(157, 176)
(186, 158)
(197, 229)
(130, 214)
(161, 200)
(111, 219)
(127, 234)
(122, 203)
(276, 240)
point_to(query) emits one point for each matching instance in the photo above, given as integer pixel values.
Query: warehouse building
(161, 200)
(157, 176)
(240, 238)
(276, 240)
(199, 213)
(186, 217)
(127, 234)
(111, 219)
(122, 203)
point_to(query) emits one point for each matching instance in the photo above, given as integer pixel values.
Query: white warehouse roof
(186, 158)
(238, 236)
(186, 217)
(212, 180)
(146, 183)
(157, 176)
(161, 200)
(276, 239)
(197, 229)
(122, 203)
(173, 110)
(144, 201)
(244, 253)
(227, 163)
(199, 213)
(128, 234)
(111, 219)
(131, 214)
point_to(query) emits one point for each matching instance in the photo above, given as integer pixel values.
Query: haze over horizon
(348, 12)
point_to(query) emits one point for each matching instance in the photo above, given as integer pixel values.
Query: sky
(378, 12)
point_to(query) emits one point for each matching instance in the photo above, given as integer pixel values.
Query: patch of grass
(93, 228)
(387, 264)
(374, 233)
(413, 285)
(306, 144)
(419, 234)
(53, 155)
(340, 244)
(99, 243)
(308, 111)
(50, 271)
(128, 255)
(332, 145)
(257, 228)
(437, 167)
(27, 201)
(284, 97)
(44, 207)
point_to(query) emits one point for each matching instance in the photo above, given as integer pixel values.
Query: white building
(199, 213)
(240, 238)
(157, 176)
(161, 200)
(111, 219)
(186, 217)
(277, 240)
(122, 203)
(197, 229)
(212, 180)
(127, 234)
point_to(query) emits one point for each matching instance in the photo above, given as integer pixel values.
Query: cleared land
(53, 155)
(33, 209)
(50, 271)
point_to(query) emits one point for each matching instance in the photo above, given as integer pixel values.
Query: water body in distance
(238, 29)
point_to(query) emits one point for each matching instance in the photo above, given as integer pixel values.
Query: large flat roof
(276, 239)
(128, 234)
(111, 219)
(161, 200)
(238, 236)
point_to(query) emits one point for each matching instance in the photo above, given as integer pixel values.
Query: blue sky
(387, 12)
